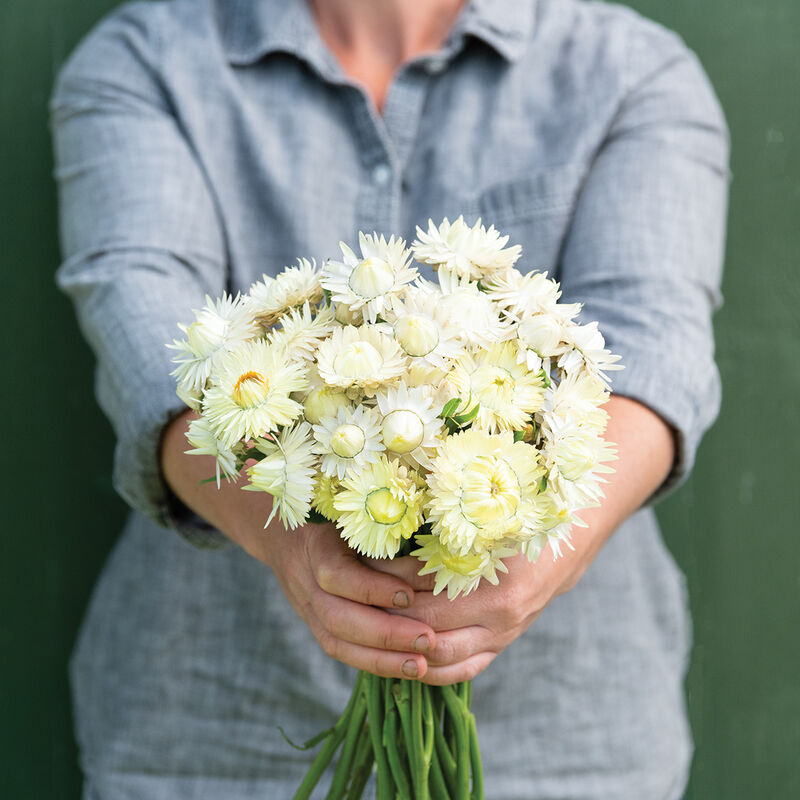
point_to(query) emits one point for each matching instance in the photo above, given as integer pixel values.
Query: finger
(444, 615)
(407, 568)
(373, 627)
(338, 571)
(460, 644)
(386, 663)
(455, 673)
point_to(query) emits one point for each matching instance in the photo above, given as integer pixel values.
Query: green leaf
(546, 379)
(450, 407)
(519, 436)
(208, 480)
(463, 419)
(313, 741)
(543, 483)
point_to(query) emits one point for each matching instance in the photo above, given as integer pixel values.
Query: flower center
(348, 441)
(418, 336)
(371, 277)
(461, 565)
(384, 507)
(493, 386)
(358, 360)
(402, 431)
(250, 390)
(491, 492)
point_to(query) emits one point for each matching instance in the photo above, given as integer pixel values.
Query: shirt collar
(253, 28)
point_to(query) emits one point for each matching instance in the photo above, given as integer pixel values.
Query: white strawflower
(379, 506)
(507, 391)
(219, 326)
(410, 425)
(589, 351)
(575, 456)
(351, 439)
(287, 473)
(538, 340)
(424, 333)
(322, 400)
(459, 573)
(362, 358)
(325, 490)
(464, 305)
(483, 490)
(270, 298)
(579, 396)
(250, 393)
(200, 436)
(368, 284)
(522, 295)
(471, 253)
(301, 330)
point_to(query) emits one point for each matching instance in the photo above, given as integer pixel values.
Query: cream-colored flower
(200, 436)
(466, 307)
(467, 252)
(322, 400)
(425, 334)
(350, 440)
(579, 396)
(301, 330)
(589, 352)
(483, 491)
(379, 506)
(539, 340)
(459, 573)
(325, 490)
(270, 298)
(532, 293)
(287, 473)
(250, 393)
(575, 457)
(507, 391)
(410, 425)
(362, 358)
(220, 326)
(368, 284)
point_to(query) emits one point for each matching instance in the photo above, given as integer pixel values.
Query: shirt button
(434, 66)
(382, 174)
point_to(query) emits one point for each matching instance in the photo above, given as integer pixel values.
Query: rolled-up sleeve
(142, 245)
(644, 253)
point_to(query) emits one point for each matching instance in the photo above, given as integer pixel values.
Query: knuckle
(329, 644)
(325, 575)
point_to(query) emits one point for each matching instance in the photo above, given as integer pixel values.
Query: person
(201, 143)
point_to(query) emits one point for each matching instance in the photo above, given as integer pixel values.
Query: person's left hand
(473, 629)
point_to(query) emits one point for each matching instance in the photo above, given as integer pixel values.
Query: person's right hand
(342, 600)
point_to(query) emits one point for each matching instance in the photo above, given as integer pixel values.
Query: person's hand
(473, 629)
(344, 602)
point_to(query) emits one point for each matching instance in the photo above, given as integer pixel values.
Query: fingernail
(400, 600)
(410, 669)
(422, 643)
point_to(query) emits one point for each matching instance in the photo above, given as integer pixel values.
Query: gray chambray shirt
(201, 143)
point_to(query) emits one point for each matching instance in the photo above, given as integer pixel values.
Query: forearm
(229, 509)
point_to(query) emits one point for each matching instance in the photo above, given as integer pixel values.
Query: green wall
(733, 527)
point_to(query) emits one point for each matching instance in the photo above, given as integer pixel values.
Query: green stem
(355, 730)
(390, 728)
(373, 689)
(443, 752)
(362, 764)
(331, 745)
(420, 764)
(475, 757)
(457, 711)
(439, 789)
(401, 692)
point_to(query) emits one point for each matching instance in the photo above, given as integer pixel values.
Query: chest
(297, 163)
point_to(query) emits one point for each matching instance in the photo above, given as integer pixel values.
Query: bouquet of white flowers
(464, 416)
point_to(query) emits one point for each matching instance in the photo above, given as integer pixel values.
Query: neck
(383, 33)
